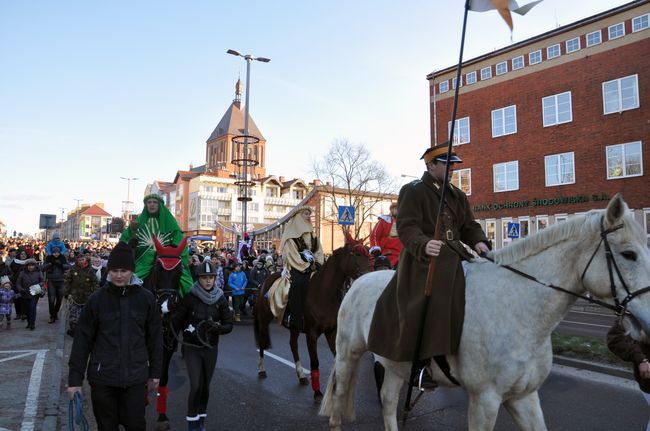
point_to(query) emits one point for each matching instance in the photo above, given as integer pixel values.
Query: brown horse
(326, 289)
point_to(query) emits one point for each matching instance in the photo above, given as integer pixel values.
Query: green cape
(165, 227)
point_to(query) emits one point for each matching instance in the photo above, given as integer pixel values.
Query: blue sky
(91, 91)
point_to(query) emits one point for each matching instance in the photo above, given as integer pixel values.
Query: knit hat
(121, 257)
(4, 280)
(205, 268)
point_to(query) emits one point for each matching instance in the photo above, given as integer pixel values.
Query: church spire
(238, 91)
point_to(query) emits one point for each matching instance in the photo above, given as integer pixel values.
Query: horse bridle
(619, 307)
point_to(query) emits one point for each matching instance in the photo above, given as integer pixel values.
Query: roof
(186, 175)
(232, 123)
(542, 36)
(295, 181)
(95, 210)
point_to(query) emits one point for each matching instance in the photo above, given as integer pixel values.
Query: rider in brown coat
(400, 308)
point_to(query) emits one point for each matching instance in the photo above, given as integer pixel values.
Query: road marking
(592, 313)
(31, 403)
(588, 324)
(18, 357)
(283, 361)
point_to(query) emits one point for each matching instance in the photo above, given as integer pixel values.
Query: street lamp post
(127, 207)
(249, 58)
(77, 219)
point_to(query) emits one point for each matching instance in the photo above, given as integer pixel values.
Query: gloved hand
(164, 307)
(307, 256)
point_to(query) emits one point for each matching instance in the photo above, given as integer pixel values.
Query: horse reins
(619, 307)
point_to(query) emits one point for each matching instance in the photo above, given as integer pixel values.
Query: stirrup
(425, 382)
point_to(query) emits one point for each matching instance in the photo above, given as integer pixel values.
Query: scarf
(210, 297)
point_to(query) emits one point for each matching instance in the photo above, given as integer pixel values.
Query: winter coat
(237, 283)
(257, 277)
(80, 283)
(55, 267)
(121, 331)
(192, 311)
(630, 350)
(7, 297)
(399, 310)
(5, 270)
(384, 236)
(26, 279)
(55, 243)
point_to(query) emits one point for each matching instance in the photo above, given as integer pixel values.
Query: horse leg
(261, 371)
(389, 398)
(162, 422)
(312, 340)
(482, 411)
(527, 412)
(330, 336)
(293, 342)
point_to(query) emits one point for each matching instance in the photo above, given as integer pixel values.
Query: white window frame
(538, 219)
(557, 114)
(573, 168)
(458, 173)
(520, 220)
(611, 27)
(453, 82)
(492, 222)
(440, 87)
(504, 121)
(530, 57)
(567, 45)
(646, 225)
(505, 167)
(550, 55)
(473, 80)
(488, 75)
(619, 94)
(623, 146)
(559, 218)
(521, 57)
(504, 231)
(639, 19)
(505, 65)
(600, 38)
(457, 141)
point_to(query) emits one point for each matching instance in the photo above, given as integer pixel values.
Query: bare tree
(354, 179)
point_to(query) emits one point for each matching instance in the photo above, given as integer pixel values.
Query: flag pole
(437, 233)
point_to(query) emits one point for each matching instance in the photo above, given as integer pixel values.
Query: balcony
(288, 202)
(215, 196)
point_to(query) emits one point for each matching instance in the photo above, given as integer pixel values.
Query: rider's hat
(205, 268)
(121, 257)
(439, 154)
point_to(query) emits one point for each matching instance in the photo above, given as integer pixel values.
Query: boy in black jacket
(120, 330)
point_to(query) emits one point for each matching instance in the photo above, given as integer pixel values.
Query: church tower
(220, 146)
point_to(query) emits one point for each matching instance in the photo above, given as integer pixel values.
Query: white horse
(505, 351)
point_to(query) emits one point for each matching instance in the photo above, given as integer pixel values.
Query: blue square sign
(513, 230)
(346, 215)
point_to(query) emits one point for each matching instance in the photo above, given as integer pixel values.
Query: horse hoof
(318, 397)
(304, 381)
(163, 426)
(261, 374)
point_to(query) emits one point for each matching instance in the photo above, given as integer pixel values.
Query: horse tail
(263, 315)
(326, 406)
(339, 396)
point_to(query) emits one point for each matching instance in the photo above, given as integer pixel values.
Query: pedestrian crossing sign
(513, 230)
(346, 215)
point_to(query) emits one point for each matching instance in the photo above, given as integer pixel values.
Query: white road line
(588, 324)
(18, 357)
(19, 351)
(31, 403)
(592, 313)
(283, 361)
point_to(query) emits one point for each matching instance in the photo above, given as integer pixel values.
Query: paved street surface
(587, 323)
(30, 365)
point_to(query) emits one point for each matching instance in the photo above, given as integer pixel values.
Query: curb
(597, 367)
(51, 416)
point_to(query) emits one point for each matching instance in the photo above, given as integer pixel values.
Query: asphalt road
(586, 323)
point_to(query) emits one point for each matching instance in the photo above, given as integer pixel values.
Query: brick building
(555, 125)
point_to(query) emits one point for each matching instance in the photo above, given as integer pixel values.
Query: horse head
(618, 268)
(167, 270)
(355, 259)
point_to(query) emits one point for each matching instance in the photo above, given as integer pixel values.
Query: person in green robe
(155, 219)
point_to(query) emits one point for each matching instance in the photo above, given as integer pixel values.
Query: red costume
(384, 236)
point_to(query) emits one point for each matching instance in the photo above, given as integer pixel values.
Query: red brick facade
(587, 135)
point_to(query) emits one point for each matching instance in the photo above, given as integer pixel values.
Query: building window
(443, 87)
(518, 62)
(470, 78)
(298, 194)
(535, 57)
(271, 192)
(615, 31)
(505, 239)
(624, 160)
(553, 51)
(640, 23)
(502, 67)
(560, 169)
(556, 109)
(646, 221)
(621, 94)
(504, 121)
(453, 83)
(486, 73)
(559, 218)
(572, 45)
(461, 131)
(524, 227)
(541, 222)
(594, 38)
(506, 176)
(462, 178)
(490, 231)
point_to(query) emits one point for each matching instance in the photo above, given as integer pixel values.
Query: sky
(94, 91)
